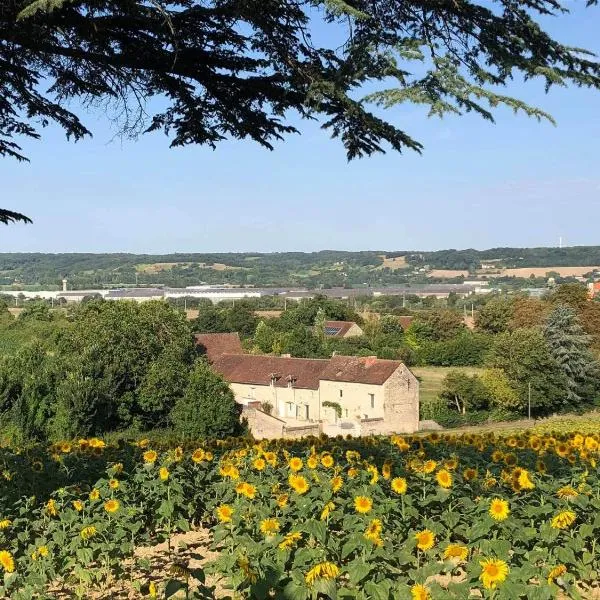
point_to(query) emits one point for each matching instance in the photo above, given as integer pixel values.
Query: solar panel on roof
(332, 330)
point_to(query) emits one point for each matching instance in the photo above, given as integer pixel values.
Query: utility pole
(472, 311)
(136, 279)
(529, 401)
(185, 304)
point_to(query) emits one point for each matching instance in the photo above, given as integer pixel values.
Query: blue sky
(514, 183)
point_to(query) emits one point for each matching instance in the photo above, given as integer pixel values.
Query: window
(346, 412)
(252, 393)
(341, 393)
(372, 397)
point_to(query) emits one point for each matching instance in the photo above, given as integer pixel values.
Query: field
(541, 271)
(394, 263)
(447, 273)
(431, 378)
(432, 517)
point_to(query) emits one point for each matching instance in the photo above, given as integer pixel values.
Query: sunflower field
(400, 517)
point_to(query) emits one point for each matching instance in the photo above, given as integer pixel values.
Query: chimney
(64, 282)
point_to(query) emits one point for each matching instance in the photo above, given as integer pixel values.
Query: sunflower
(51, 508)
(113, 484)
(282, 500)
(198, 455)
(324, 570)
(540, 466)
(444, 478)
(362, 504)
(563, 519)
(425, 539)
(556, 572)
(246, 489)
(386, 470)
(298, 484)
(7, 561)
(295, 464)
(290, 540)
(94, 494)
(178, 454)
(5, 524)
(499, 509)
(470, 474)
(562, 450)
(591, 444)
(327, 461)
(336, 484)
(524, 480)
(456, 552)
(43, 551)
(78, 505)
(420, 592)
(497, 455)
(150, 456)
(451, 463)
(312, 462)
(259, 464)
(429, 466)
(111, 506)
(399, 485)
(494, 571)
(373, 532)
(269, 527)
(163, 473)
(271, 458)
(224, 513)
(88, 532)
(374, 474)
(352, 472)
(326, 510)
(567, 492)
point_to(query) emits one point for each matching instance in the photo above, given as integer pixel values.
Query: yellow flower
(399, 485)
(150, 456)
(326, 510)
(152, 590)
(352, 473)
(327, 461)
(290, 540)
(567, 492)
(525, 482)
(556, 572)
(420, 592)
(374, 474)
(429, 466)
(259, 464)
(51, 508)
(499, 510)
(163, 473)
(425, 539)
(362, 504)
(564, 519)
(5, 524)
(373, 532)
(198, 455)
(224, 513)
(78, 505)
(111, 506)
(298, 484)
(269, 527)
(94, 494)
(43, 551)
(470, 474)
(246, 489)
(312, 462)
(7, 561)
(113, 484)
(324, 570)
(494, 571)
(88, 532)
(336, 484)
(295, 464)
(497, 455)
(143, 443)
(456, 552)
(386, 470)
(271, 458)
(208, 456)
(591, 444)
(178, 454)
(444, 478)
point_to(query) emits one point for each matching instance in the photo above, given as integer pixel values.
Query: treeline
(108, 366)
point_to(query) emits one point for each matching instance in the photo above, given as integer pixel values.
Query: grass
(431, 379)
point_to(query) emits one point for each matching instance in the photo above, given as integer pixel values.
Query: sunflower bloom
(499, 509)
(362, 504)
(567, 492)
(78, 505)
(326, 510)
(556, 572)
(259, 464)
(6, 561)
(564, 519)
(5, 524)
(295, 464)
(198, 455)
(420, 592)
(429, 466)
(456, 552)
(269, 527)
(94, 494)
(111, 506)
(113, 484)
(312, 462)
(494, 571)
(324, 570)
(327, 461)
(336, 484)
(150, 456)
(298, 484)
(224, 513)
(444, 478)
(399, 485)
(163, 473)
(290, 540)
(88, 532)
(246, 489)
(425, 540)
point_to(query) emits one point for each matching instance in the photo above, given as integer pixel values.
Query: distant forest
(327, 268)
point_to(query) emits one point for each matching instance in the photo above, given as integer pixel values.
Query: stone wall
(262, 425)
(401, 402)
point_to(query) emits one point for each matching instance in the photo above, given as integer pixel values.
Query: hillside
(311, 269)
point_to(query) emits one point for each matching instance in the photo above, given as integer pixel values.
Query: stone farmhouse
(341, 395)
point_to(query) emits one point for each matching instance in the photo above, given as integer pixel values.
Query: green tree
(210, 320)
(264, 337)
(494, 316)
(569, 346)
(241, 319)
(463, 392)
(525, 357)
(207, 408)
(499, 390)
(436, 325)
(573, 295)
(36, 310)
(528, 312)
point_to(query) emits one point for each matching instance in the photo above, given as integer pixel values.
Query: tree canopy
(239, 68)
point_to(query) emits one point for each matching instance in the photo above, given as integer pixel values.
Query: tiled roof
(337, 328)
(217, 344)
(405, 321)
(135, 293)
(260, 370)
(359, 369)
